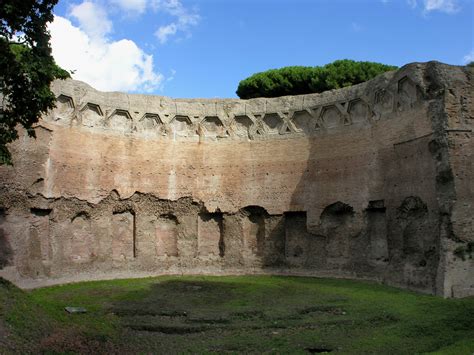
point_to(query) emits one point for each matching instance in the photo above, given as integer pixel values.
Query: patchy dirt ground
(4, 335)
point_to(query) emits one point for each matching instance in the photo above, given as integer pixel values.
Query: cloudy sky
(203, 48)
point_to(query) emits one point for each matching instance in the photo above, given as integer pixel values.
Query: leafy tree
(305, 80)
(27, 67)
(470, 64)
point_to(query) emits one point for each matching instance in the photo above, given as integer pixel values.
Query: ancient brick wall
(373, 181)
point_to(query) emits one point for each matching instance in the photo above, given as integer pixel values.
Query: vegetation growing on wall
(465, 251)
(298, 80)
(26, 67)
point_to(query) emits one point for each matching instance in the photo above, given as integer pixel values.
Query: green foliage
(26, 67)
(465, 251)
(305, 80)
(471, 64)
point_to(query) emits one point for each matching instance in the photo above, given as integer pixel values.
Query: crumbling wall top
(260, 118)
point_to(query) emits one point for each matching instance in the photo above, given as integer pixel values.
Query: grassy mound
(250, 314)
(23, 323)
(27, 326)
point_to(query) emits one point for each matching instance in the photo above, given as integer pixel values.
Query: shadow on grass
(255, 314)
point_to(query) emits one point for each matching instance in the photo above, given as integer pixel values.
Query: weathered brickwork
(374, 181)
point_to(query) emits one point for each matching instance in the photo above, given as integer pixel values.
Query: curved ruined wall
(372, 181)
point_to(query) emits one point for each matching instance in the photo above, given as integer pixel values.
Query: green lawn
(251, 314)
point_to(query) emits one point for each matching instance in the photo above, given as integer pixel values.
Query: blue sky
(203, 48)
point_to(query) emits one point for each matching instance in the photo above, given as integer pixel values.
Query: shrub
(298, 80)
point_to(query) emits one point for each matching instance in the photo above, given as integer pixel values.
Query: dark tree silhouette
(27, 67)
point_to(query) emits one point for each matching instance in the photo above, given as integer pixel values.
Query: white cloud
(469, 57)
(92, 19)
(166, 31)
(86, 47)
(175, 7)
(185, 18)
(446, 6)
(135, 6)
(105, 64)
(171, 77)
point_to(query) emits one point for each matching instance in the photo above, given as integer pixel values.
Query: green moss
(465, 251)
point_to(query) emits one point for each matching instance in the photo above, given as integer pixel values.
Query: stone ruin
(373, 181)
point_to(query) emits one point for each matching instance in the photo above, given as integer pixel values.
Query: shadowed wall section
(372, 181)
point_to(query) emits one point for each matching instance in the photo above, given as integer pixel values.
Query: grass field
(245, 314)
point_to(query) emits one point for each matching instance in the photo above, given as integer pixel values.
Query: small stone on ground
(75, 310)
